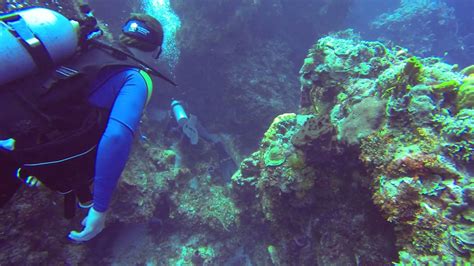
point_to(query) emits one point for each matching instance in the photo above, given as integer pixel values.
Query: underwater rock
(298, 196)
(459, 133)
(149, 175)
(419, 156)
(364, 118)
(26, 236)
(210, 208)
(466, 94)
(419, 26)
(274, 156)
(410, 146)
(467, 71)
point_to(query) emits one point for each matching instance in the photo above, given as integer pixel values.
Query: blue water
(162, 10)
(237, 63)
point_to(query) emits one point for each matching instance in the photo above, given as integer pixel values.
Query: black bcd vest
(56, 130)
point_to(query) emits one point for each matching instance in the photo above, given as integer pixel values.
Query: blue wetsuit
(124, 92)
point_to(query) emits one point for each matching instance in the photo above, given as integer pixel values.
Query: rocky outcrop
(375, 123)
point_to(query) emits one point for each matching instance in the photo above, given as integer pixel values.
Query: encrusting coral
(466, 93)
(396, 125)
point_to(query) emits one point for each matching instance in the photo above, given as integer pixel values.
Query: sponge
(465, 97)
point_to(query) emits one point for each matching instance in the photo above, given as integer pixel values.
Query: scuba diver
(71, 105)
(193, 130)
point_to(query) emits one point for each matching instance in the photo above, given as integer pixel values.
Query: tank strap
(35, 47)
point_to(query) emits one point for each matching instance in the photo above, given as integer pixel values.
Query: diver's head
(143, 33)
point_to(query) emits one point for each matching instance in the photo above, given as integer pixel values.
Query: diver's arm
(112, 155)
(114, 148)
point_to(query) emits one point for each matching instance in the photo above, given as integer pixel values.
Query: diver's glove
(7, 144)
(93, 224)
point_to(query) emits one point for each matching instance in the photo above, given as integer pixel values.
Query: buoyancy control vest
(55, 128)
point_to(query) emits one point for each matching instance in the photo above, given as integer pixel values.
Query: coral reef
(375, 168)
(29, 235)
(424, 27)
(304, 197)
(216, 210)
(465, 93)
(373, 119)
(420, 157)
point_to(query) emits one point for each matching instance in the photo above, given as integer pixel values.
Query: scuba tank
(194, 130)
(178, 112)
(34, 39)
(188, 124)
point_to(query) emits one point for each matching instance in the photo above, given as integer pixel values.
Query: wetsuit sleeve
(114, 146)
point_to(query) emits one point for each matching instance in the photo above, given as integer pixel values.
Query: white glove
(7, 144)
(93, 224)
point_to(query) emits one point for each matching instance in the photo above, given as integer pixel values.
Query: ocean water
(247, 195)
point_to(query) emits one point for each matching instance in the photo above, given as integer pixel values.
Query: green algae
(447, 86)
(466, 94)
